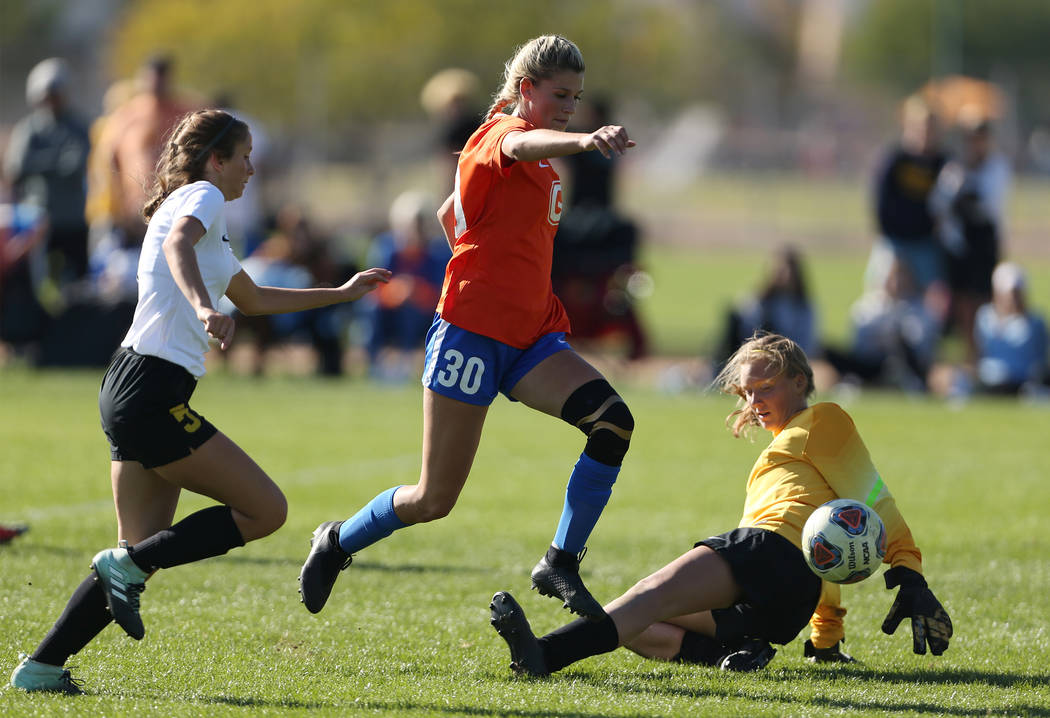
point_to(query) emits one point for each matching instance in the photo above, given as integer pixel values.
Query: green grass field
(406, 631)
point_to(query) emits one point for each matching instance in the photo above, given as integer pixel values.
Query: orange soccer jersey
(498, 282)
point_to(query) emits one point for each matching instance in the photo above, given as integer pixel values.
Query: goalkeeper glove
(930, 623)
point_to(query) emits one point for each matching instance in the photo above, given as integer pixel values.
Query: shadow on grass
(670, 685)
(471, 710)
(944, 677)
(360, 565)
(260, 703)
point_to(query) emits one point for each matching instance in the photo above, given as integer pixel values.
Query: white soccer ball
(844, 541)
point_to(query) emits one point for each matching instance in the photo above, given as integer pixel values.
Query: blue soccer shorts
(474, 368)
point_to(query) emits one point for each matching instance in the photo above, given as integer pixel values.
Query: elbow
(516, 153)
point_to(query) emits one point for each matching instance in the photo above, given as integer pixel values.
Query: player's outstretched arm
(930, 623)
(541, 144)
(251, 299)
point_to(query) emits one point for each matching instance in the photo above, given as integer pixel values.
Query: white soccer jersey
(165, 324)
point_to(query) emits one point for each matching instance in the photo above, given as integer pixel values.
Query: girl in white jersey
(158, 444)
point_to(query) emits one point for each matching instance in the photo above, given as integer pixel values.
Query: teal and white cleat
(33, 676)
(122, 582)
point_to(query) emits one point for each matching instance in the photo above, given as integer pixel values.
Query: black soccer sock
(578, 640)
(83, 618)
(698, 648)
(206, 533)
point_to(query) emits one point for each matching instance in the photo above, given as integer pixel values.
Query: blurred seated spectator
(23, 319)
(399, 313)
(781, 305)
(1011, 339)
(968, 202)
(895, 336)
(295, 256)
(594, 270)
(80, 328)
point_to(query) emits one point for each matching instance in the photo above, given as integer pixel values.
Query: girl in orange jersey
(726, 600)
(500, 329)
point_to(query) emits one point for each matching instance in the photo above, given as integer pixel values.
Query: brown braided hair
(189, 145)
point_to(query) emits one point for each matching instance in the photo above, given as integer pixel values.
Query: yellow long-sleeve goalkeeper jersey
(817, 457)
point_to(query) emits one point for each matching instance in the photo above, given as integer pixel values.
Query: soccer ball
(844, 541)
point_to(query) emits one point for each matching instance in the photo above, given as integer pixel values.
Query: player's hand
(218, 325)
(930, 623)
(611, 140)
(364, 282)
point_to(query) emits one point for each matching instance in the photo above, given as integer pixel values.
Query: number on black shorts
(187, 417)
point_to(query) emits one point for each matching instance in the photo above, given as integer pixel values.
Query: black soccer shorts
(146, 415)
(780, 591)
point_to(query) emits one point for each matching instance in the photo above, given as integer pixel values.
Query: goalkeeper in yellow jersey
(725, 601)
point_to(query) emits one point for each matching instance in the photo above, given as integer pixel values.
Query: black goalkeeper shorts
(780, 591)
(146, 415)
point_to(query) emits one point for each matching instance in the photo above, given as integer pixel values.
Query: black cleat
(526, 656)
(751, 655)
(558, 575)
(322, 567)
(832, 654)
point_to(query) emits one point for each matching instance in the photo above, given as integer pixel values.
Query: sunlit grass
(406, 631)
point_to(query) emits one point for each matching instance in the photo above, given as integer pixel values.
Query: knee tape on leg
(598, 411)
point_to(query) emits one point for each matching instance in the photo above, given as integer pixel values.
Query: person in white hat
(1011, 339)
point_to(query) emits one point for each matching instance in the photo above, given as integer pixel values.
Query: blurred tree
(900, 44)
(342, 61)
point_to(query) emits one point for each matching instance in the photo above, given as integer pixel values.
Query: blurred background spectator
(295, 256)
(903, 185)
(246, 218)
(1010, 337)
(46, 165)
(398, 314)
(450, 99)
(968, 201)
(130, 140)
(782, 304)
(23, 234)
(595, 269)
(894, 339)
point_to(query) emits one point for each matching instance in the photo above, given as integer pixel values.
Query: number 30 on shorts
(465, 372)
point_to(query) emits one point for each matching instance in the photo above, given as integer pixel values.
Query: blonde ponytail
(538, 59)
